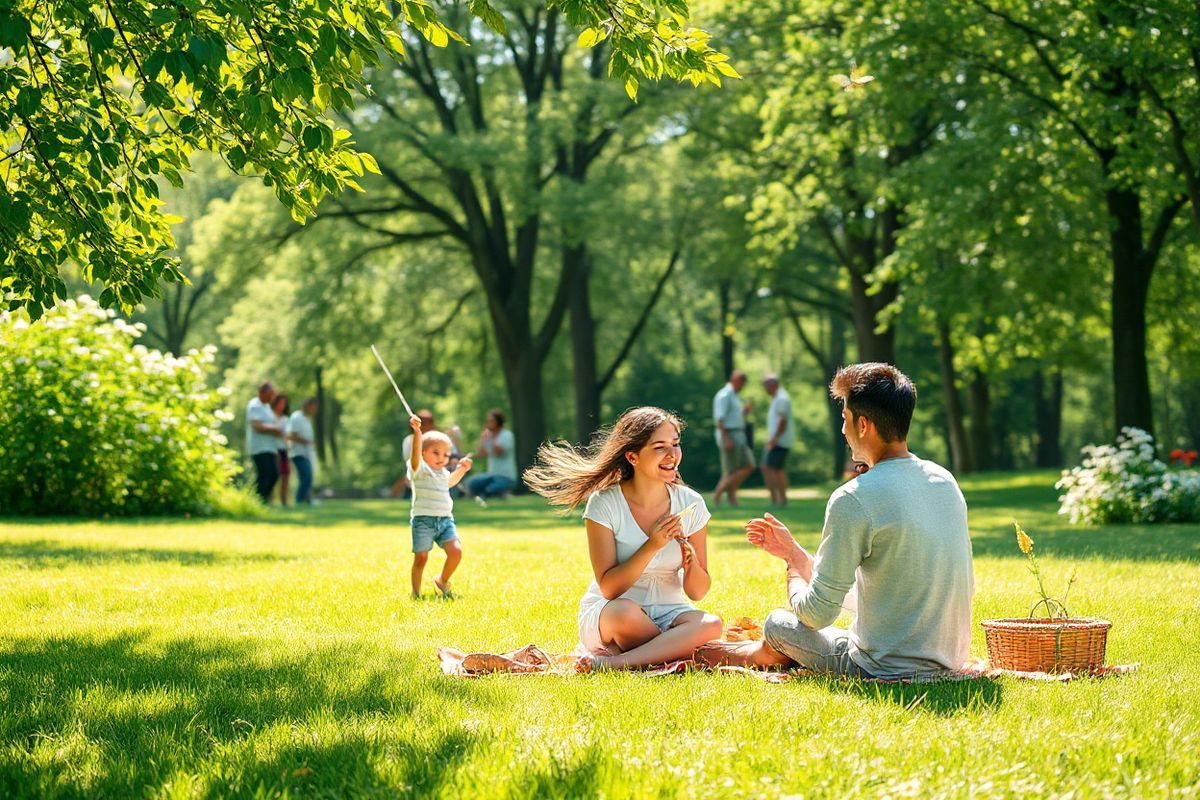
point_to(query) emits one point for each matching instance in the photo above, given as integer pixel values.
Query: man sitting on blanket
(897, 533)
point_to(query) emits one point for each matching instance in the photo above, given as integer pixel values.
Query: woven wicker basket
(1046, 645)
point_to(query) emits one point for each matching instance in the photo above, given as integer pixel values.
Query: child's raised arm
(414, 460)
(463, 466)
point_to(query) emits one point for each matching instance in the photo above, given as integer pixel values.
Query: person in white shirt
(782, 438)
(729, 422)
(647, 541)
(264, 437)
(499, 445)
(300, 442)
(432, 515)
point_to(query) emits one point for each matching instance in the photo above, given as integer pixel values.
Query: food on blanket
(743, 629)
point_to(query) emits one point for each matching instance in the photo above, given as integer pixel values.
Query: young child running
(646, 535)
(432, 508)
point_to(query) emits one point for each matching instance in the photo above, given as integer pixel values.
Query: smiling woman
(649, 562)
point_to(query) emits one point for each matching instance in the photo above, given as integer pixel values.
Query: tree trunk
(873, 345)
(837, 354)
(523, 376)
(979, 394)
(1003, 456)
(335, 416)
(577, 264)
(319, 419)
(1048, 418)
(1130, 287)
(956, 429)
(725, 309)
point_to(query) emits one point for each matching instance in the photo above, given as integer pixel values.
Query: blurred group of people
(735, 439)
(496, 443)
(277, 439)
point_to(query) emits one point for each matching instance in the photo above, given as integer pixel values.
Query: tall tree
(1112, 87)
(503, 176)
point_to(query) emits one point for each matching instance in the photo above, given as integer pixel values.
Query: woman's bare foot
(590, 662)
(755, 655)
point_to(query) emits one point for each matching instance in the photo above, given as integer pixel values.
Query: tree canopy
(98, 99)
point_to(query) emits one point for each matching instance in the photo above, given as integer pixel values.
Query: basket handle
(1054, 609)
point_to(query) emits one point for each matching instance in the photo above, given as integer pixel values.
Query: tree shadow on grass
(560, 779)
(47, 553)
(357, 764)
(134, 711)
(943, 699)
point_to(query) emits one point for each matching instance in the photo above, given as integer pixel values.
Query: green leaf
(394, 43)
(589, 37)
(726, 70)
(490, 16)
(14, 29)
(631, 87)
(312, 137)
(369, 163)
(436, 34)
(327, 42)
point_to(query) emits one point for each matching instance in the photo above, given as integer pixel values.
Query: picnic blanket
(533, 660)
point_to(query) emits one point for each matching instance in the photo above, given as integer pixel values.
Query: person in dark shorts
(781, 437)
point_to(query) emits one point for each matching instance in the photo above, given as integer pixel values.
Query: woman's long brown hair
(567, 476)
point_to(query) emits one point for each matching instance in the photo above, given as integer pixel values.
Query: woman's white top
(301, 425)
(662, 581)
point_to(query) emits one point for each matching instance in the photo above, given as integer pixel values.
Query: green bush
(95, 424)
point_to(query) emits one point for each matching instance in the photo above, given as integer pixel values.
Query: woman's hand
(688, 552)
(668, 527)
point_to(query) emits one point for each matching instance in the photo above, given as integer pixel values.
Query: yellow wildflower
(1023, 540)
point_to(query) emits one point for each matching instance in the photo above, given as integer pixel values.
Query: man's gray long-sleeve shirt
(899, 532)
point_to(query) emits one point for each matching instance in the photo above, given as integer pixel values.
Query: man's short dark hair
(879, 392)
(498, 414)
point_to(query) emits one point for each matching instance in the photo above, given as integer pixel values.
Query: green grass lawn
(283, 657)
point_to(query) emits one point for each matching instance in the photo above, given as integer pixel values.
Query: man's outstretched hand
(774, 537)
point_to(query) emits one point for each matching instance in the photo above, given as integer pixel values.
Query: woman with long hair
(282, 408)
(647, 539)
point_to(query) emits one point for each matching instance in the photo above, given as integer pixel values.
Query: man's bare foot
(755, 655)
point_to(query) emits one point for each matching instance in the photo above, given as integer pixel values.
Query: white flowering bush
(95, 424)
(1128, 483)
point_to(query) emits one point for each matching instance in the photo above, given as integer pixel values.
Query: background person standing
(781, 438)
(729, 418)
(264, 437)
(300, 442)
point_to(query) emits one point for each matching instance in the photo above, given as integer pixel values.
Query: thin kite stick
(388, 372)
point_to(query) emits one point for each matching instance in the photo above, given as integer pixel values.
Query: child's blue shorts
(427, 531)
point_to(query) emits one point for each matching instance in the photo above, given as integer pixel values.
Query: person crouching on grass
(432, 508)
(646, 538)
